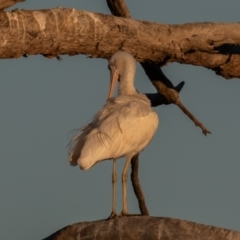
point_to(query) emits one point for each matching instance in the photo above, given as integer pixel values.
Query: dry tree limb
(142, 228)
(8, 3)
(57, 31)
(191, 116)
(170, 93)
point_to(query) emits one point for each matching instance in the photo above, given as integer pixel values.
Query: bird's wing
(130, 119)
(124, 124)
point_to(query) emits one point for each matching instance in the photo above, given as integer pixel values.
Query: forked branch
(171, 94)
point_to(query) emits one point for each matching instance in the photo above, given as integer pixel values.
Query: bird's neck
(126, 83)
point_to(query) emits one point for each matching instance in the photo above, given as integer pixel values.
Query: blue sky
(184, 174)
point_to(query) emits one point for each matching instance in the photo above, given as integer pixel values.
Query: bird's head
(118, 64)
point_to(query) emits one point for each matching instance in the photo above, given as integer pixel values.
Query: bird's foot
(126, 214)
(112, 215)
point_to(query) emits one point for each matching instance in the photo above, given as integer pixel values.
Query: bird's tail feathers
(93, 145)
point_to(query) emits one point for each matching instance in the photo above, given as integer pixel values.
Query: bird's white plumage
(125, 125)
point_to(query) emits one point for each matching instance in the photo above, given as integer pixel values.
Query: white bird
(123, 128)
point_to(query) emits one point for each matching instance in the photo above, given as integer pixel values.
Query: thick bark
(8, 3)
(68, 31)
(143, 228)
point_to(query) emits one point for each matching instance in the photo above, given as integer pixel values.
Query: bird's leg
(114, 181)
(124, 186)
(137, 187)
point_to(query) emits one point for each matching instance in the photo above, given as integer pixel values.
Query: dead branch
(143, 228)
(68, 31)
(170, 93)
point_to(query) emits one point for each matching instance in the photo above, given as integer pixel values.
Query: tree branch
(143, 228)
(170, 93)
(8, 3)
(68, 31)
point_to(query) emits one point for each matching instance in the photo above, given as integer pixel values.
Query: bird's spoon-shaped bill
(113, 81)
